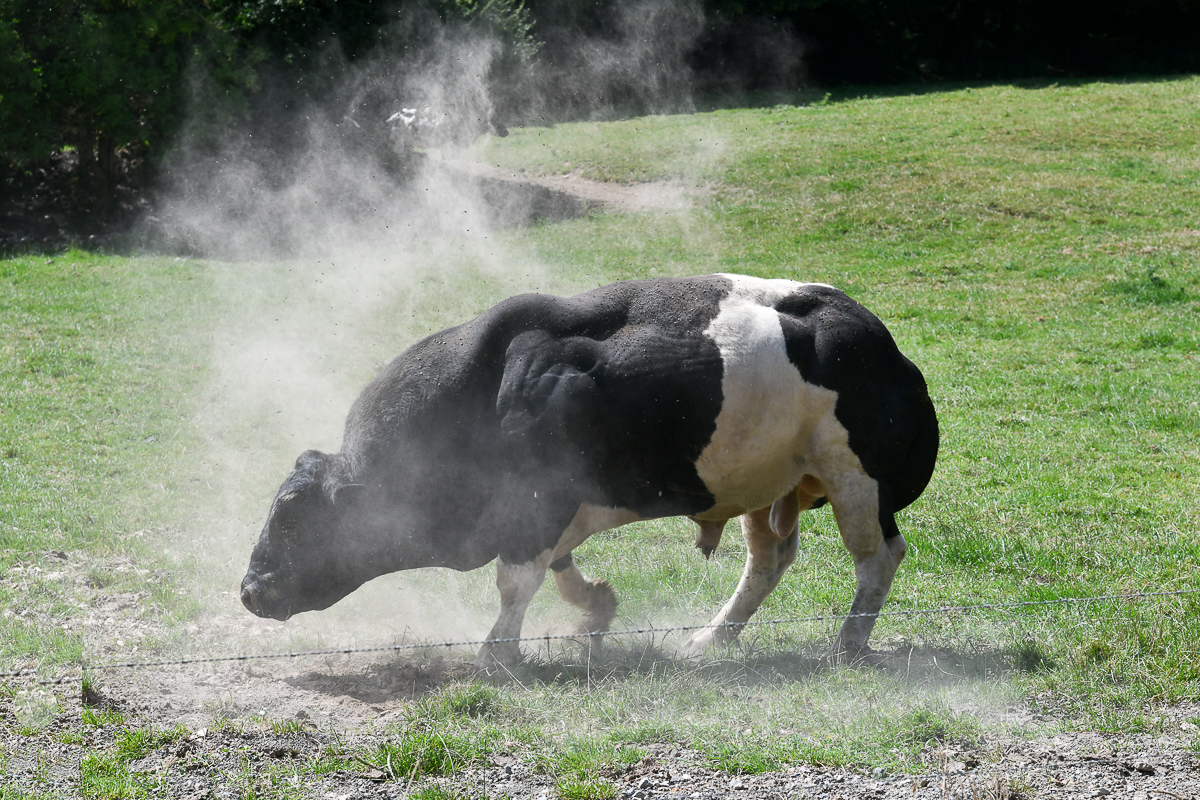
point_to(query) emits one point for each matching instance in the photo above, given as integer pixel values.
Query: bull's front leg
(518, 583)
(769, 554)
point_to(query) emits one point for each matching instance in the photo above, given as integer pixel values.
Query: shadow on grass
(755, 664)
(413, 677)
(135, 230)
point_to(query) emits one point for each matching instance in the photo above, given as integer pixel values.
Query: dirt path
(604, 195)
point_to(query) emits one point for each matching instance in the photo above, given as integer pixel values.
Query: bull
(516, 436)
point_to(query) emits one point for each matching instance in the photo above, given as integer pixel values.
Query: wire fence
(551, 637)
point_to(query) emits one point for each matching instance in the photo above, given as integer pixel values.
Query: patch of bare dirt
(259, 727)
(602, 195)
(236, 754)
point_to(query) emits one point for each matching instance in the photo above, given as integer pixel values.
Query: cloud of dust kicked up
(344, 237)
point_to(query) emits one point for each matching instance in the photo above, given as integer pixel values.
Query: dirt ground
(344, 704)
(603, 195)
(48, 210)
(228, 747)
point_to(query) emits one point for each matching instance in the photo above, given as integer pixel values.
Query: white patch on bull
(761, 446)
(775, 434)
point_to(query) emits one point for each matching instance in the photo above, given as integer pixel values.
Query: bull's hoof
(843, 655)
(498, 657)
(709, 636)
(602, 607)
(696, 644)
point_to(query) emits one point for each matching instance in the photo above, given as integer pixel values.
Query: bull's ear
(347, 494)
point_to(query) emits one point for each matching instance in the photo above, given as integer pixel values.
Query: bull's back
(705, 391)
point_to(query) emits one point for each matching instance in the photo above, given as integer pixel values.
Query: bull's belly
(591, 519)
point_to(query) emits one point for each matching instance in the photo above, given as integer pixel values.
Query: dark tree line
(113, 81)
(110, 83)
(889, 41)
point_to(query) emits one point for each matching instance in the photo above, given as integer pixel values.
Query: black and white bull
(519, 434)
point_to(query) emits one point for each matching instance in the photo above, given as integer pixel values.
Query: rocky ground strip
(49, 744)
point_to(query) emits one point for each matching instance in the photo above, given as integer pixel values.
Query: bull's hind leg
(595, 597)
(518, 583)
(769, 555)
(855, 499)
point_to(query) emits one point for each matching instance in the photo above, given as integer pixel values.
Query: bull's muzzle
(258, 599)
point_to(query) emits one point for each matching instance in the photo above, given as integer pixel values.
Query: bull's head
(308, 556)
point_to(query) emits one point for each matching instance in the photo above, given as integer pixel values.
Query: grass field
(1034, 249)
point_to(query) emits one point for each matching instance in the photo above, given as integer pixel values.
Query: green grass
(585, 789)
(98, 365)
(1034, 249)
(106, 775)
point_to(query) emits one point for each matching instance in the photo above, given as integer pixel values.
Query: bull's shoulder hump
(600, 312)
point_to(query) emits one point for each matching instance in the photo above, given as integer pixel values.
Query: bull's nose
(250, 597)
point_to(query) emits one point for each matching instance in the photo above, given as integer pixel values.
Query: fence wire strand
(550, 637)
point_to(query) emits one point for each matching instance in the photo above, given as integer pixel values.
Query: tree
(111, 78)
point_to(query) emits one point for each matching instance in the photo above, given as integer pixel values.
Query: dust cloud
(340, 234)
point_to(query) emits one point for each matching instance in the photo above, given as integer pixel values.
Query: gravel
(44, 741)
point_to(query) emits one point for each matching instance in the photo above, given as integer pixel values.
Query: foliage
(303, 38)
(107, 78)
(877, 41)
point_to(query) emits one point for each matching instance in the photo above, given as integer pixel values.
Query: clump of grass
(332, 759)
(228, 724)
(742, 756)
(461, 700)
(588, 788)
(1110, 717)
(101, 577)
(436, 792)
(70, 737)
(99, 717)
(285, 726)
(582, 758)
(1150, 287)
(645, 732)
(432, 752)
(1096, 651)
(132, 745)
(926, 726)
(105, 776)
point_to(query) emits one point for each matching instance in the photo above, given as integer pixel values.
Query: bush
(111, 80)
